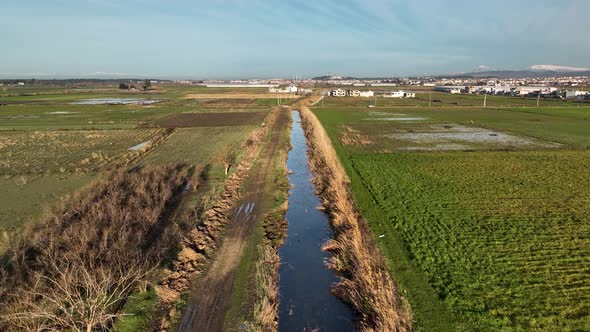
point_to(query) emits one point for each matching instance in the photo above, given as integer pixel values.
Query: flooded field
(115, 101)
(459, 137)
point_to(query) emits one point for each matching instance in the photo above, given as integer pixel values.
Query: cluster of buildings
(351, 93)
(369, 93)
(516, 91)
(433, 81)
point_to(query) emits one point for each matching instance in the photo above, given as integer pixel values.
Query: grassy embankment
(366, 282)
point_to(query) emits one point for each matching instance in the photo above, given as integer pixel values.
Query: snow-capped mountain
(556, 68)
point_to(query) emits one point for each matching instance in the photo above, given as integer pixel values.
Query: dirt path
(210, 296)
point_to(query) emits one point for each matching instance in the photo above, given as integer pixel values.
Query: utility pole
(485, 99)
(538, 98)
(375, 100)
(430, 100)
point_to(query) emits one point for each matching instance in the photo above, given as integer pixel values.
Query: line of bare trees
(75, 270)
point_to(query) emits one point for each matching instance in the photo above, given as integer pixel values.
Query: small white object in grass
(139, 146)
(382, 235)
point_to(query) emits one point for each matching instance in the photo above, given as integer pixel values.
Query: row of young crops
(66, 151)
(503, 238)
(199, 144)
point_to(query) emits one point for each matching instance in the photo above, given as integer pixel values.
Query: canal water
(306, 303)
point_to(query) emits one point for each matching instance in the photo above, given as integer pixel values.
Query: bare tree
(72, 296)
(227, 158)
(75, 270)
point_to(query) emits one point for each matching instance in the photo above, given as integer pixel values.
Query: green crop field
(34, 152)
(24, 196)
(198, 145)
(60, 116)
(483, 214)
(565, 126)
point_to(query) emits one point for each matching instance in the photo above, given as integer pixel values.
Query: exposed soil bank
(304, 283)
(365, 280)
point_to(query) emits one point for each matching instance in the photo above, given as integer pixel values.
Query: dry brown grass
(365, 280)
(351, 136)
(75, 270)
(266, 305)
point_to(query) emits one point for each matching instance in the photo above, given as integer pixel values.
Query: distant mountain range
(535, 71)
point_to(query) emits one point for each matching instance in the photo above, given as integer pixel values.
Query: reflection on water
(304, 281)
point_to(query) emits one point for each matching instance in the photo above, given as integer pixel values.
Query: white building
(288, 89)
(354, 93)
(400, 94)
(383, 84)
(395, 94)
(338, 93)
(527, 90)
(449, 88)
(367, 93)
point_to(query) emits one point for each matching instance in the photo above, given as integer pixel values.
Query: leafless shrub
(75, 270)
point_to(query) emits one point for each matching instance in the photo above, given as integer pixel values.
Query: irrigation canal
(306, 303)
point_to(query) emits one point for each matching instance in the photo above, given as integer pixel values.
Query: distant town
(556, 87)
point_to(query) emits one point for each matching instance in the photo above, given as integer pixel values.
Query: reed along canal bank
(304, 280)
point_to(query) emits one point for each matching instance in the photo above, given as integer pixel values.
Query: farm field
(483, 214)
(210, 119)
(158, 154)
(445, 100)
(25, 196)
(68, 116)
(54, 141)
(564, 126)
(199, 144)
(38, 152)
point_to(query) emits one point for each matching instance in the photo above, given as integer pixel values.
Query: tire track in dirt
(210, 296)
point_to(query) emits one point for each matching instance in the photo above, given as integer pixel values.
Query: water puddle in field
(139, 146)
(61, 112)
(306, 303)
(115, 101)
(458, 137)
(396, 119)
(387, 116)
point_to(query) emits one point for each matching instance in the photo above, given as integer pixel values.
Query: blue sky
(227, 39)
